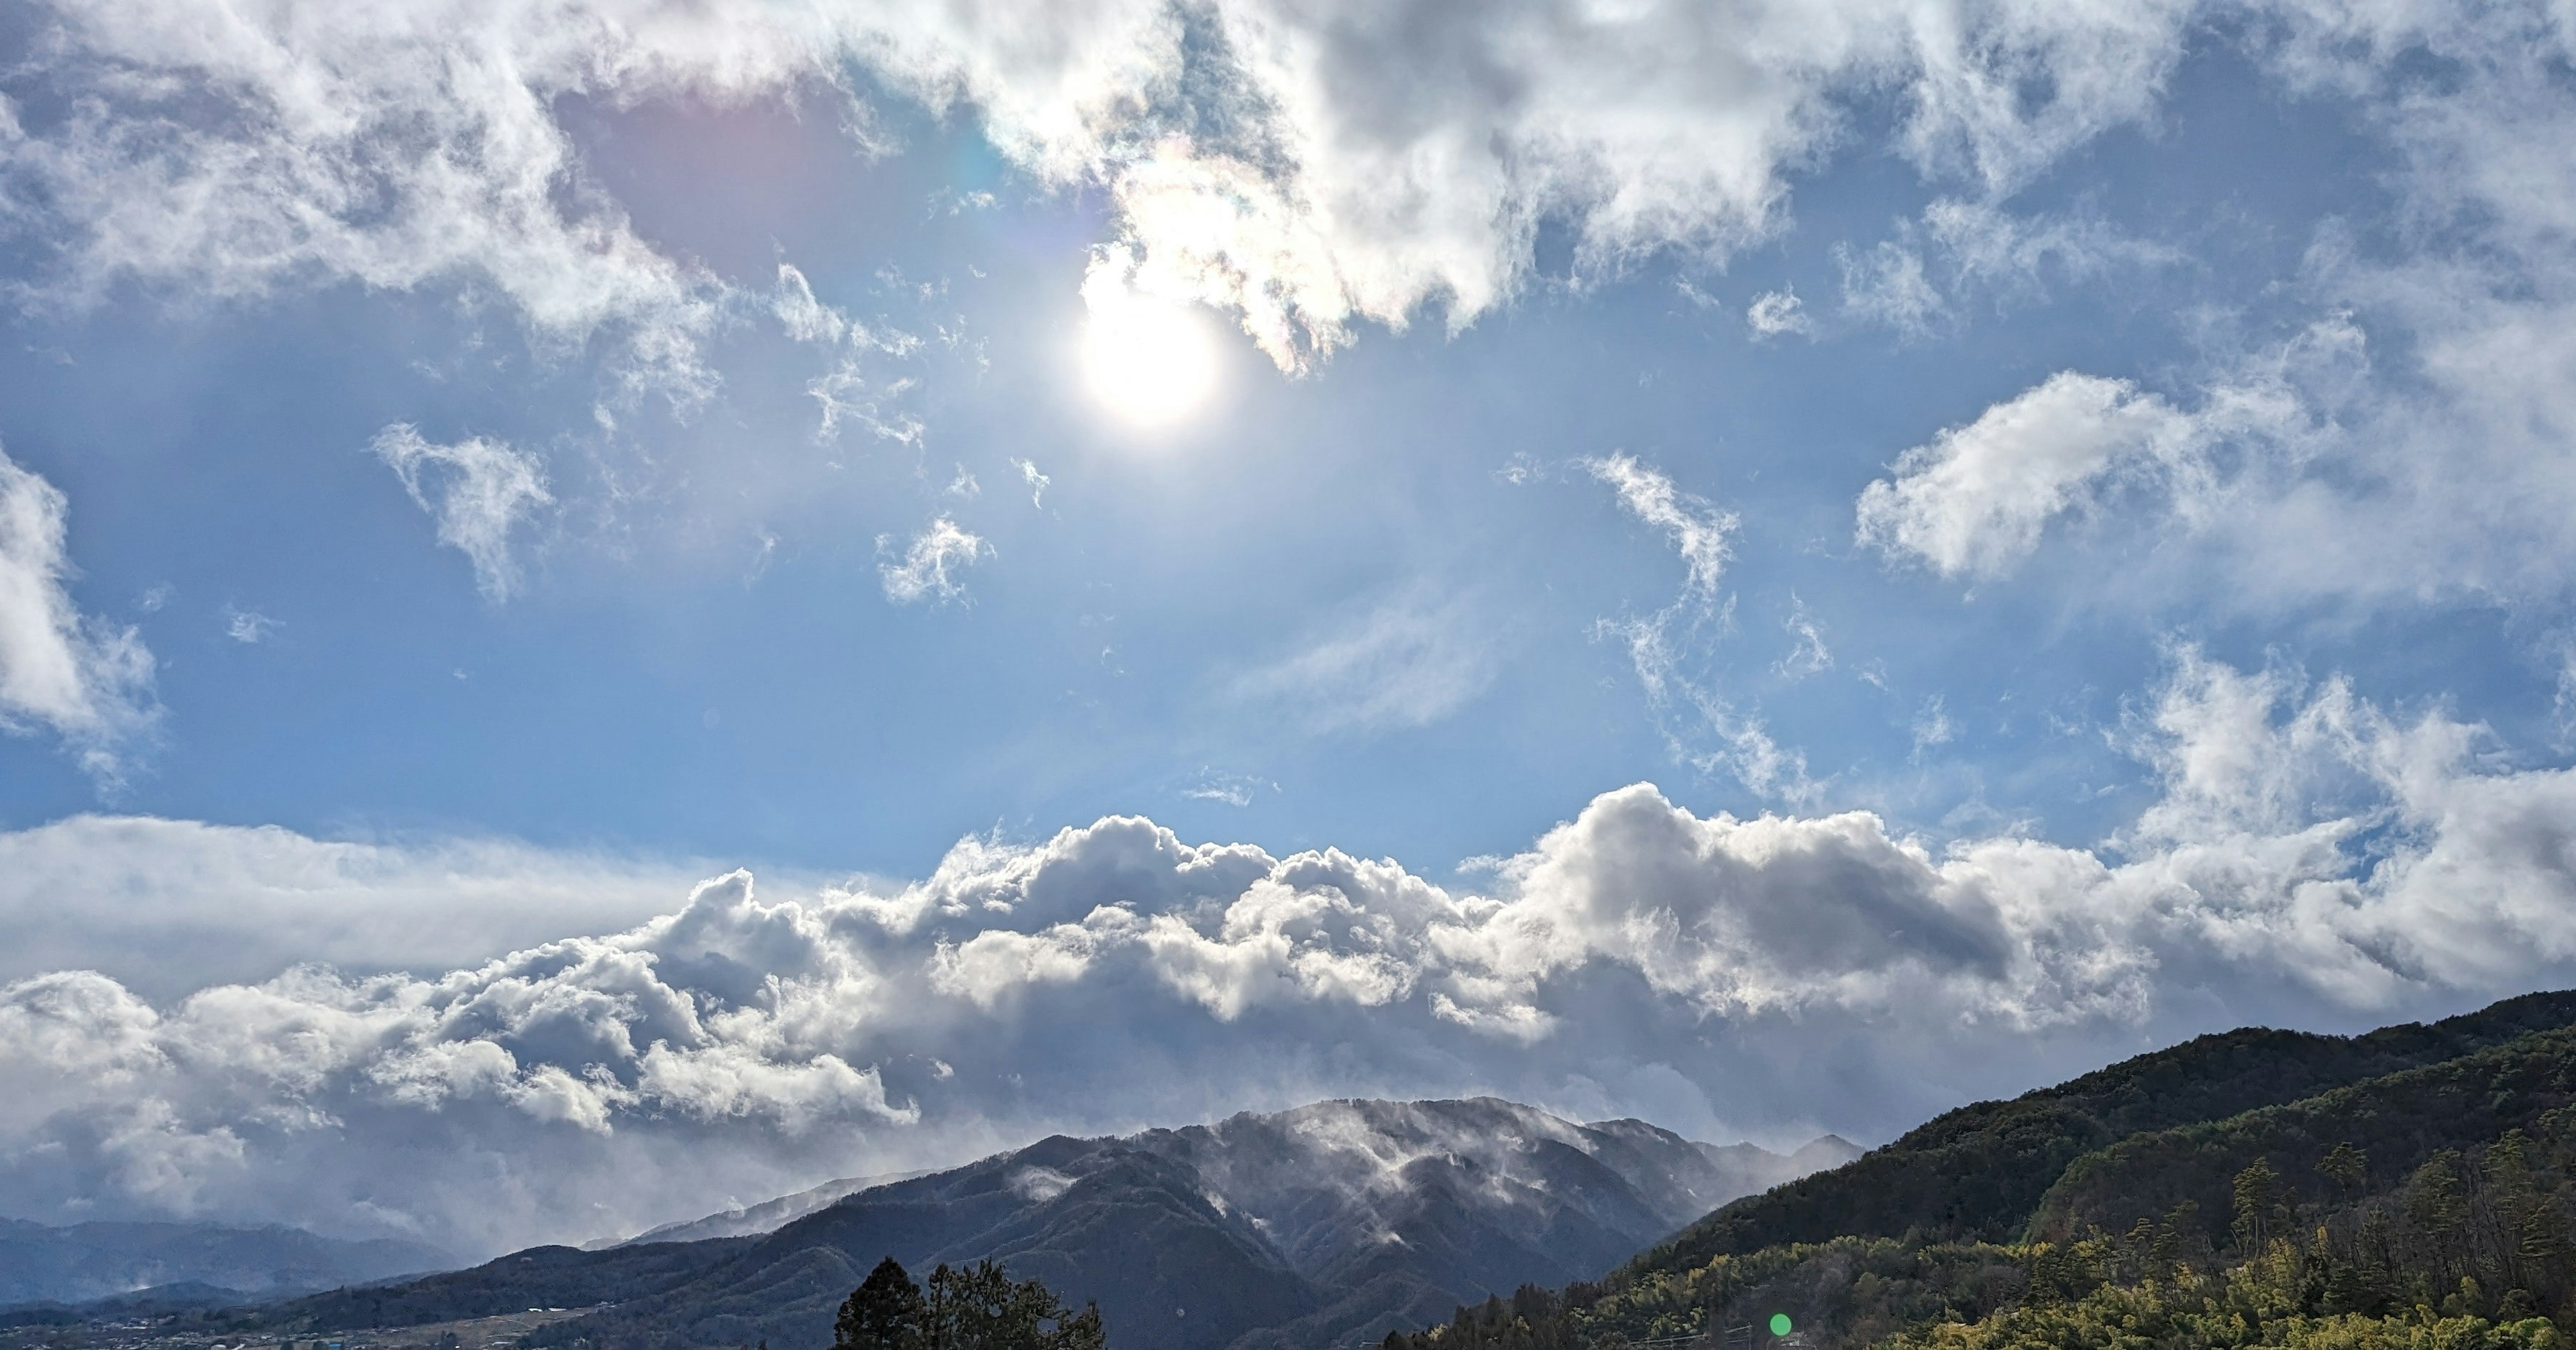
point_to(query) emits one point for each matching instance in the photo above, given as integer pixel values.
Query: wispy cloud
(248, 627)
(478, 491)
(1669, 648)
(1406, 662)
(930, 565)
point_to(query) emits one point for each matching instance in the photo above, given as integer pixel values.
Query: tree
(2258, 1195)
(883, 1313)
(2347, 1167)
(977, 1307)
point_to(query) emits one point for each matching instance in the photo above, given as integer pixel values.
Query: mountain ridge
(1268, 1232)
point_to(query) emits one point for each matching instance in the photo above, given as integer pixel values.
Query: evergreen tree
(883, 1313)
(977, 1307)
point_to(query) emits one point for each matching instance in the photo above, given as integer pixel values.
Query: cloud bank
(2320, 859)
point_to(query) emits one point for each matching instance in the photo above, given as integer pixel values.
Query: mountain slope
(766, 1217)
(1978, 1173)
(90, 1261)
(2396, 1122)
(1337, 1220)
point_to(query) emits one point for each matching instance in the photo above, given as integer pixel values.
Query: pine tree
(883, 1313)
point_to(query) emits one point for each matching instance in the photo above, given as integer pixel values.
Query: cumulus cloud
(478, 491)
(2320, 858)
(1973, 502)
(930, 563)
(84, 680)
(2410, 443)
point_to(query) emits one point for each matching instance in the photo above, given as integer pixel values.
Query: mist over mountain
(85, 1262)
(766, 1217)
(1332, 1221)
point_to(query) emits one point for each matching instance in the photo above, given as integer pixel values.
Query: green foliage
(976, 1307)
(2393, 1129)
(1981, 1172)
(2275, 1300)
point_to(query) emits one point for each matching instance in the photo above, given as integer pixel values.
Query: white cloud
(1973, 501)
(1887, 285)
(1808, 654)
(176, 904)
(1268, 160)
(1409, 662)
(1669, 647)
(88, 682)
(2311, 859)
(477, 490)
(1696, 528)
(805, 318)
(928, 568)
(1037, 482)
(248, 627)
(1774, 313)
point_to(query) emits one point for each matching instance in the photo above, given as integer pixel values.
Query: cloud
(2310, 859)
(1037, 482)
(1409, 662)
(1808, 654)
(805, 318)
(1974, 500)
(926, 570)
(477, 490)
(1697, 529)
(2408, 443)
(1958, 249)
(88, 682)
(177, 904)
(247, 627)
(1669, 648)
(1774, 313)
(1268, 160)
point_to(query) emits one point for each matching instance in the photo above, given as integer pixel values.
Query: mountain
(87, 1262)
(766, 1217)
(1979, 1173)
(1334, 1221)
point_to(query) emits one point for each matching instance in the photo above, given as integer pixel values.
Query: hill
(1979, 1173)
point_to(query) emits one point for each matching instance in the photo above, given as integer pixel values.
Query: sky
(610, 608)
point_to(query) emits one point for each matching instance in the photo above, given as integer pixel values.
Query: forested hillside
(2434, 1205)
(1978, 1173)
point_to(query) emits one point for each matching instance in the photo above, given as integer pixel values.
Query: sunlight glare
(1150, 362)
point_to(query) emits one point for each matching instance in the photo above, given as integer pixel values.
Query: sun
(1150, 363)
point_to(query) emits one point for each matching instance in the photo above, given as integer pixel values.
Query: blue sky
(2067, 512)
